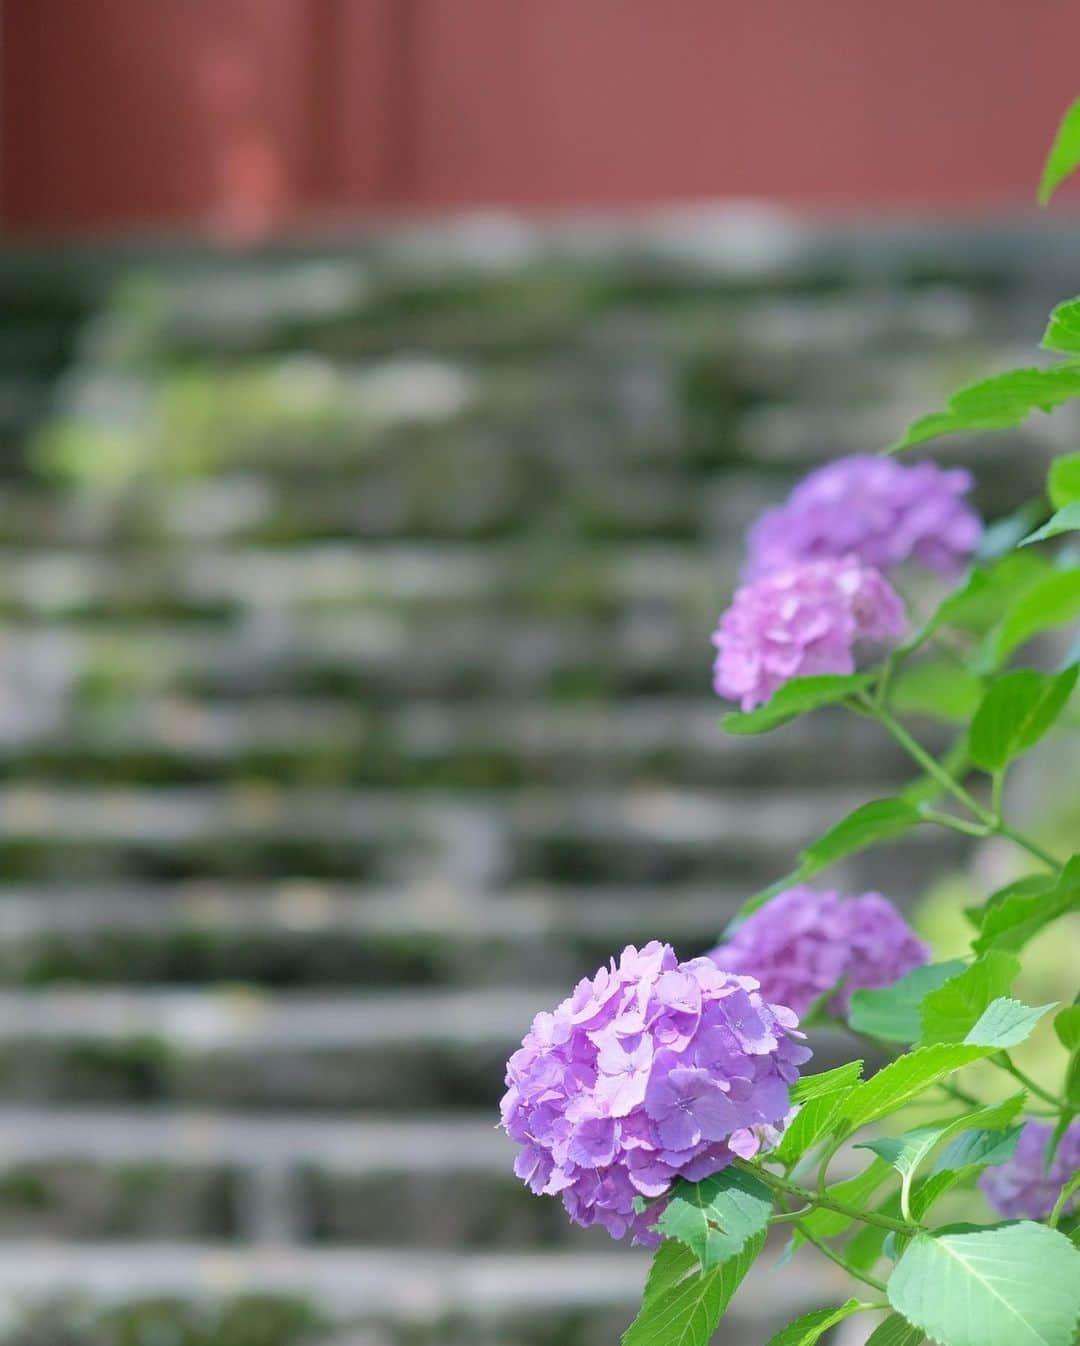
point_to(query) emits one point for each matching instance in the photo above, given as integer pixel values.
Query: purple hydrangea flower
(804, 941)
(880, 510)
(799, 622)
(1023, 1187)
(651, 1070)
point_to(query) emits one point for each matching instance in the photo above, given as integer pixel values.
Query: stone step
(371, 1296)
(216, 581)
(317, 934)
(647, 835)
(423, 745)
(366, 658)
(239, 1046)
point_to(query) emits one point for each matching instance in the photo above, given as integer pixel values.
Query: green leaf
(1015, 713)
(814, 1120)
(908, 1151)
(1009, 1285)
(880, 820)
(895, 1331)
(808, 1329)
(1065, 520)
(796, 698)
(1006, 1023)
(682, 1304)
(987, 591)
(718, 1216)
(1063, 479)
(1067, 1027)
(892, 1012)
(904, 1079)
(1028, 886)
(826, 1082)
(1010, 923)
(962, 1160)
(995, 403)
(955, 1007)
(1053, 601)
(1063, 328)
(936, 687)
(1064, 153)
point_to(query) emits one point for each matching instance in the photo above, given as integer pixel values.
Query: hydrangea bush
(673, 1101)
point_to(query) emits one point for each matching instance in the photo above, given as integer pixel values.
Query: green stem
(1004, 1062)
(835, 1257)
(822, 1199)
(931, 765)
(992, 823)
(954, 824)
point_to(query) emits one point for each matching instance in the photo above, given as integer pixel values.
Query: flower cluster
(799, 622)
(804, 942)
(877, 509)
(651, 1070)
(1023, 1188)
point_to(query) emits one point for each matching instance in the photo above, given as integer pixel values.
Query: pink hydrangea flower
(804, 942)
(802, 621)
(651, 1070)
(878, 509)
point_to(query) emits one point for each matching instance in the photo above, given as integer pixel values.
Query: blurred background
(385, 389)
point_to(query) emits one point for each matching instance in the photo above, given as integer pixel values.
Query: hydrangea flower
(651, 1070)
(880, 510)
(1023, 1187)
(799, 622)
(804, 941)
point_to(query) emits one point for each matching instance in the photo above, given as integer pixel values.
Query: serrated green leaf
(977, 1149)
(682, 1304)
(1011, 923)
(808, 1329)
(995, 403)
(794, 698)
(904, 1079)
(1064, 520)
(955, 1007)
(1006, 1023)
(1053, 601)
(813, 1121)
(1063, 328)
(1016, 711)
(895, 1331)
(1030, 885)
(937, 687)
(1067, 1027)
(1063, 478)
(826, 1081)
(908, 1151)
(718, 1216)
(961, 1161)
(1063, 155)
(892, 1013)
(1009, 1285)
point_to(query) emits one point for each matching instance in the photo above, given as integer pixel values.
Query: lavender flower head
(1023, 1187)
(804, 941)
(882, 511)
(651, 1070)
(799, 622)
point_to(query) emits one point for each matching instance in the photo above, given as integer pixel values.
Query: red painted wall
(246, 115)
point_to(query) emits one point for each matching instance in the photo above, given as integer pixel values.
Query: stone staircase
(354, 701)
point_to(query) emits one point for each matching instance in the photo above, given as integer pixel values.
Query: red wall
(243, 115)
